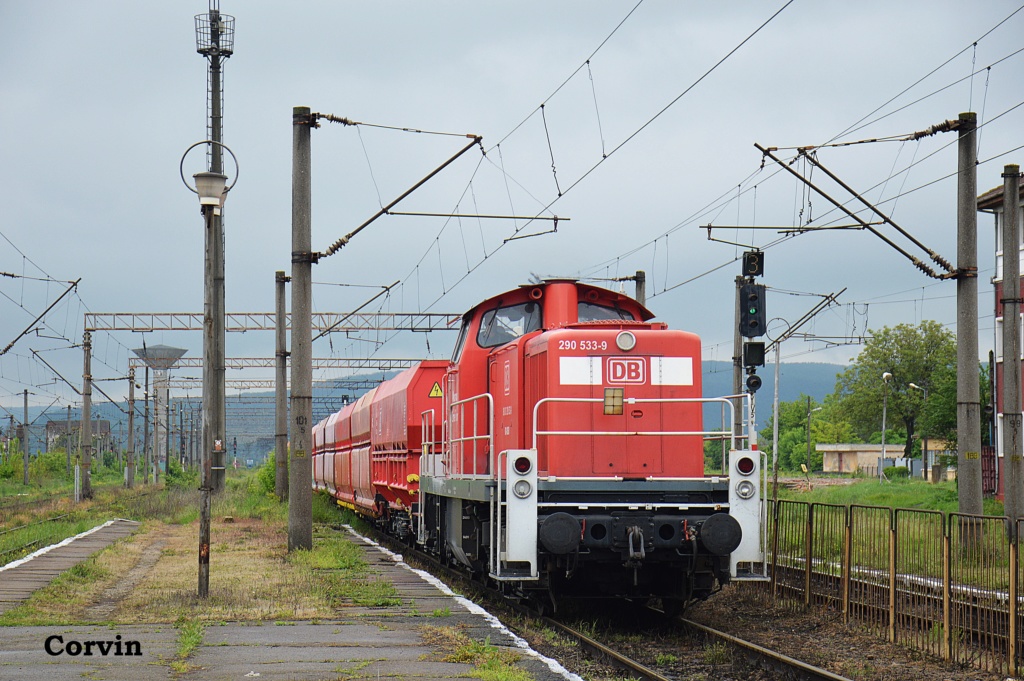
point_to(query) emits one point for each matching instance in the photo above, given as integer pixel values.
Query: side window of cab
(461, 342)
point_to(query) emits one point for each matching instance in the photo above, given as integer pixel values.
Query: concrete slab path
(370, 643)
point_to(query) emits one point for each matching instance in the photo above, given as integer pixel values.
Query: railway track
(776, 664)
(40, 535)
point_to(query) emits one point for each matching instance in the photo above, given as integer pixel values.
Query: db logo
(627, 370)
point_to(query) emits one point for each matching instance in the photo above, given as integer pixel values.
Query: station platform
(369, 643)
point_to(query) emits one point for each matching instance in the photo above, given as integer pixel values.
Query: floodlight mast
(215, 34)
(215, 41)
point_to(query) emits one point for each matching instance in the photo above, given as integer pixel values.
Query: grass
(253, 577)
(490, 663)
(717, 653)
(70, 591)
(190, 637)
(899, 493)
(26, 526)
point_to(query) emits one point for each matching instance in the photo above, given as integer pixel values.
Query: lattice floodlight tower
(161, 359)
(215, 40)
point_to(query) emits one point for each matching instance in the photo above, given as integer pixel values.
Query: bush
(267, 474)
(180, 478)
(897, 472)
(325, 510)
(9, 468)
(48, 464)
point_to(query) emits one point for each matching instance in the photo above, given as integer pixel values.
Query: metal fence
(947, 585)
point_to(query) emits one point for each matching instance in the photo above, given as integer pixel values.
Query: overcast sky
(643, 138)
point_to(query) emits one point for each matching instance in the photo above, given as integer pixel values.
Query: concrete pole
(737, 367)
(641, 287)
(87, 416)
(67, 443)
(168, 432)
(968, 391)
(213, 440)
(300, 490)
(130, 482)
(145, 434)
(775, 424)
(181, 434)
(24, 440)
(1013, 428)
(218, 392)
(281, 391)
(808, 434)
(885, 403)
(213, 386)
(157, 442)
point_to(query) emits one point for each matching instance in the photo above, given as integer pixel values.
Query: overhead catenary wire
(855, 127)
(623, 143)
(859, 124)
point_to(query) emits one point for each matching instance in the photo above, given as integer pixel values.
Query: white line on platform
(472, 607)
(51, 547)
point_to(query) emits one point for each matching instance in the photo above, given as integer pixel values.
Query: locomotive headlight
(625, 341)
(522, 489)
(745, 489)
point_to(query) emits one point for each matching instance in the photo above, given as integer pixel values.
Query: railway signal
(752, 312)
(753, 354)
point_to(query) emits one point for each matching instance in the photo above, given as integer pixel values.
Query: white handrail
(474, 438)
(633, 400)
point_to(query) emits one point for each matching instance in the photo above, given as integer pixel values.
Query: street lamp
(886, 377)
(212, 189)
(925, 458)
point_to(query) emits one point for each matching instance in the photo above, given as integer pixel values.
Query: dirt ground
(820, 638)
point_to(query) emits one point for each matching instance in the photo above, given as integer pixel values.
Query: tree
(924, 355)
(828, 425)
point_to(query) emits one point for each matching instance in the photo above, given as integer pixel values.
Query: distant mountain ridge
(808, 378)
(255, 431)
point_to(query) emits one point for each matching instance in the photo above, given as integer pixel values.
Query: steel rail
(805, 672)
(635, 669)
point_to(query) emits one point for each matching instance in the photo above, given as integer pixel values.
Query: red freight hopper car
(362, 486)
(344, 489)
(330, 450)
(318, 452)
(397, 433)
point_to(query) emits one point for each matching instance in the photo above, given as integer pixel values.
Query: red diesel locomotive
(559, 453)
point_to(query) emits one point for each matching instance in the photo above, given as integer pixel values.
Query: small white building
(853, 458)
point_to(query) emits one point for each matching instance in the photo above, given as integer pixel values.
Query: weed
(717, 653)
(190, 637)
(490, 662)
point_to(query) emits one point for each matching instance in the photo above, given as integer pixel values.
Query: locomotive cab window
(504, 324)
(591, 312)
(461, 342)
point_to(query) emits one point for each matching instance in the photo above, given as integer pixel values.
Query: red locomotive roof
(565, 294)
